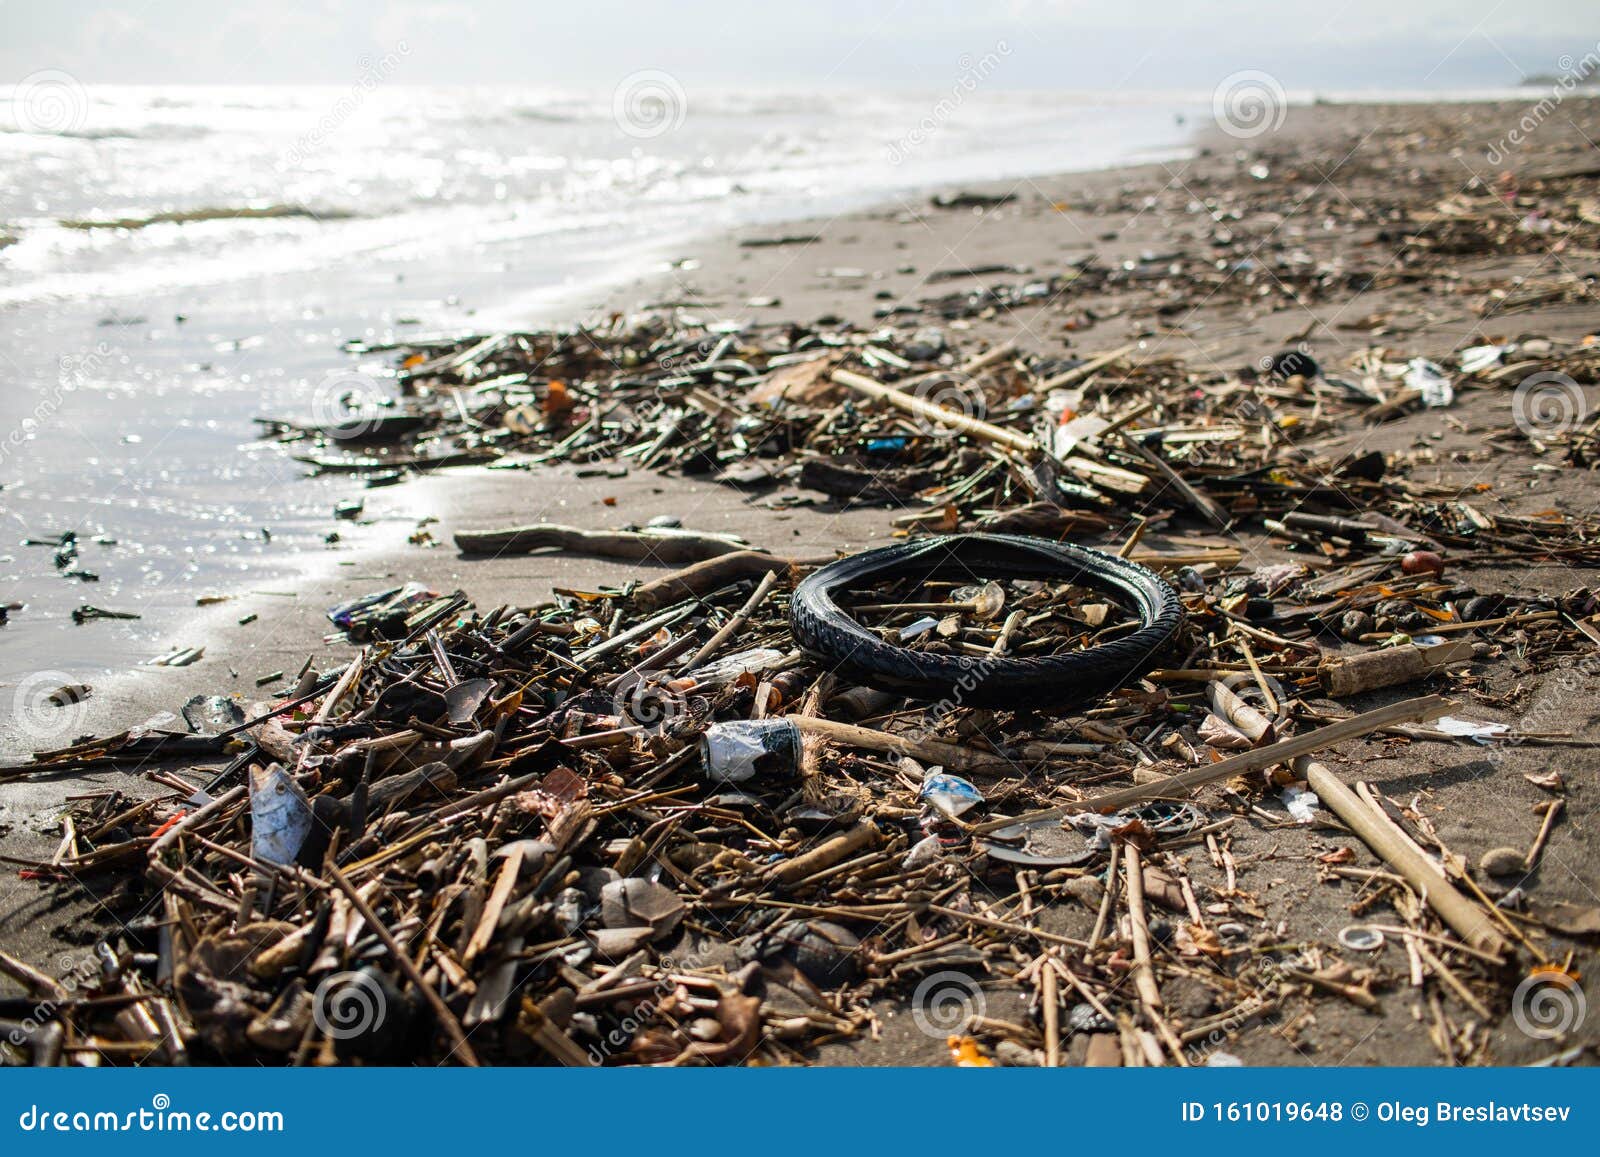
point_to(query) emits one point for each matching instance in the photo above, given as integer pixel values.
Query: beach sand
(1331, 182)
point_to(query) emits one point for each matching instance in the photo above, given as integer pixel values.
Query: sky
(895, 44)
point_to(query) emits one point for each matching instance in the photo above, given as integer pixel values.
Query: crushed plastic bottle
(1431, 379)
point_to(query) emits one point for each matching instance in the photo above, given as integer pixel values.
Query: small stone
(1354, 624)
(1503, 862)
(1422, 562)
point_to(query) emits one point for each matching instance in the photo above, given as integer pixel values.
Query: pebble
(1503, 862)
(1422, 562)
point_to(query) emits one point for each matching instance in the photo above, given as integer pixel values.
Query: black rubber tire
(852, 651)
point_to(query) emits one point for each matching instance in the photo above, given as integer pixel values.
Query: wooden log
(668, 546)
(710, 574)
(1391, 667)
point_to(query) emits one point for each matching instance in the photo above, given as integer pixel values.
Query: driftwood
(857, 483)
(664, 545)
(435, 778)
(710, 574)
(1391, 666)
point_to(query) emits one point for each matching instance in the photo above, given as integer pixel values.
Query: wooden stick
(1049, 994)
(704, 577)
(1468, 920)
(1445, 973)
(1077, 373)
(484, 932)
(1552, 812)
(447, 1019)
(1143, 975)
(840, 848)
(1179, 786)
(1195, 497)
(923, 408)
(195, 818)
(740, 617)
(1007, 926)
(1107, 898)
(933, 751)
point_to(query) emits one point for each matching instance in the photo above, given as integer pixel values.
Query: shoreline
(1102, 213)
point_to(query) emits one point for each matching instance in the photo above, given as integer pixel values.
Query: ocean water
(369, 173)
(177, 261)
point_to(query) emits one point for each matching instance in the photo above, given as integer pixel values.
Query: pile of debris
(640, 826)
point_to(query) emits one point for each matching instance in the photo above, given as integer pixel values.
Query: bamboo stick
(935, 751)
(1461, 914)
(923, 408)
